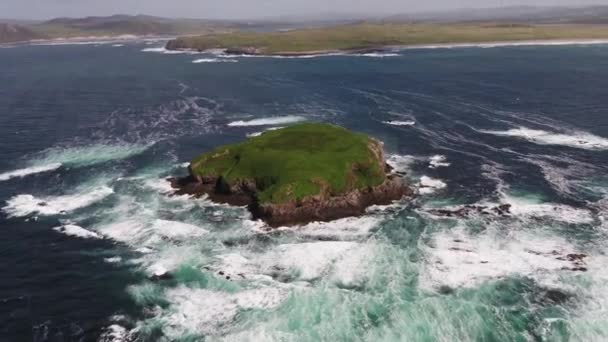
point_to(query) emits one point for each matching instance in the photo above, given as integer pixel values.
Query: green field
(365, 36)
(296, 162)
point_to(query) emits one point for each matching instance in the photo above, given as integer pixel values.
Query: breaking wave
(576, 139)
(430, 185)
(26, 204)
(400, 123)
(79, 156)
(29, 171)
(76, 231)
(214, 60)
(279, 120)
(165, 51)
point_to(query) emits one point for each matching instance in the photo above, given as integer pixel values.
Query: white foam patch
(254, 134)
(400, 163)
(458, 259)
(352, 268)
(279, 120)
(308, 261)
(208, 312)
(379, 54)
(437, 161)
(114, 333)
(430, 185)
(88, 155)
(214, 60)
(29, 171)
(350, 227)
(400, 123)
(257, 134)
(161, 185)
(76, 231)
(137, 232)
(164, 51)
(223, 54)
(113, 260)
(579, 139)
(559, 212)
(23, 205)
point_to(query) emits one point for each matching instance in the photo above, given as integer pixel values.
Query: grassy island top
(298, 161)
(376, 35)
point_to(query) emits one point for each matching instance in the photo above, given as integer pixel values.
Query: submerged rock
(468, 210)
(299, 174)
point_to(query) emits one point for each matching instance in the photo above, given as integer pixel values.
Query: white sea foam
(342, 262)
(430, 185)
(161, 185)
(559, 212)
(400, 163)
(279, 120)
(254, 134)
(214, 60)
(307, 261)
(113, 260)
(437, 161)
(141, 232)
(29, 171)
(23, 205)
(257, 134)
(208, 312)
(76, 156)
(164, 51)
(350, 227)
(222, 54)
(114, 333)
(76, 231)
(457, 258)
(577, 139)
(118, 45)
(352, 268)
(379, 54)
(400, 123)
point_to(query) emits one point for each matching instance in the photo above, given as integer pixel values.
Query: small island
(377, 37)
(299, 174)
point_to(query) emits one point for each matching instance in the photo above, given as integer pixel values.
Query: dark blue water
(89, 132)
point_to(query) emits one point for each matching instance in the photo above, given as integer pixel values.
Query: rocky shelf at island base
(296, 175)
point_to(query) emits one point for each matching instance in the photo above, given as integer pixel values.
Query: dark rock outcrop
(310, 209)
(468, 210)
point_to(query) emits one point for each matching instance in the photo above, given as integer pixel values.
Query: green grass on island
(375, 35)
(298, 161)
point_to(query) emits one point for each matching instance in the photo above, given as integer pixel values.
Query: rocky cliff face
(316, 208)
(322, 207)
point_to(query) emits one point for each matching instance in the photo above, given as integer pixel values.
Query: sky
(249, 9)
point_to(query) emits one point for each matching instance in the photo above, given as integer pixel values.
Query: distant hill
(11, 33)
(125, 24)
(515, 14)
(19, 31)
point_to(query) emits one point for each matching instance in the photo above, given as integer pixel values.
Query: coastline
(85, 40)
(253, 52)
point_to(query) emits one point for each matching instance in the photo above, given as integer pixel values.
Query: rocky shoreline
(176, 45)
(314, 208)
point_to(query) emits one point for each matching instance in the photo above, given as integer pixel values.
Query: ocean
(90, 132)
